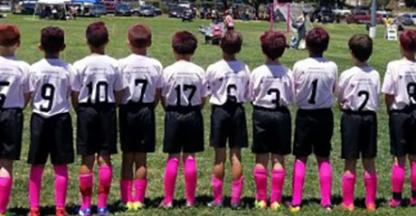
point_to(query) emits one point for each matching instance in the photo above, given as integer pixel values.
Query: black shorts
(11, 126)
(137, 127)
(313, 132)
(402, 125)
(96, 129)
(272, 131)
(184, 130)
(228, 122)
(358, 135)
(51, 136)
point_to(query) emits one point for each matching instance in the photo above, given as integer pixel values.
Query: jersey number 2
(366, 96)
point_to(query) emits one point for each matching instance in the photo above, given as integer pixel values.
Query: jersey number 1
(182, 88)
(313, 94)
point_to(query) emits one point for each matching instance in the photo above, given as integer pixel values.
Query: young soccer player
(14, 95)
(51, 127)
(271, 91)
(137, 117)
(315, 82)
(399, 88)
(183, 95)
(358, 92)
(97, 87)
(228, 81)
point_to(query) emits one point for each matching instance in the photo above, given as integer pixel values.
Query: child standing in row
(271, 90)
(358, 98)
(228, 81)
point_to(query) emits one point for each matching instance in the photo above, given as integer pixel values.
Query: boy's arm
(163, 102)
(27, 97)
(389, 99)
(158, 95)
(119, 96)
(74, 98)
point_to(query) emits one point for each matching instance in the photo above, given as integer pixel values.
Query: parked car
(157, 10)
(96, 10)
(187, 15)
(341, 12)
(110, 5)
(406, 20)
(413, 17)
(123, 10)
(176, 11)
(5, 7)
(26, 7)
(146, 11)
(323, 15)
(363, 17)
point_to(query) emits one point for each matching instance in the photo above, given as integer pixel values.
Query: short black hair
(52, 39)
(184, 43)
(97, 34)
(361, 46)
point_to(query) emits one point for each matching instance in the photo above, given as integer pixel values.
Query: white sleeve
(26, 79)
(251, 86)
(247, 93)
(76, 82)
(205, 89)
(159, 83)
(340, 88)
(291, 98)
(388, 84)
(164, 83)
(119, 82)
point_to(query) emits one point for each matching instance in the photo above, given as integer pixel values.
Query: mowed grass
(163, 28)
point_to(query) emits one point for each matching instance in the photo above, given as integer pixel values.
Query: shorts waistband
(362, 112)
(277, 109)
(99, 105)
(183, 108)
(137, 105)
(228, 105)
(315, 110)
(407, 109)
(13, 108)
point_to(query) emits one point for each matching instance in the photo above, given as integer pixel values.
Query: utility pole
(373, 25)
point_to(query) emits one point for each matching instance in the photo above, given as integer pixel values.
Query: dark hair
(9, 35)
(317, 40)
(97, 34)
(408, 40)
(231, 42)
(184, 43)
(361, 46)
(52, 39)
(140, 36)
(273, 44)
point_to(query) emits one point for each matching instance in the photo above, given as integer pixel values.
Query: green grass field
(163, 29)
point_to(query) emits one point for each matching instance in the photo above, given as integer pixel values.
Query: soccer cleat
(261, 204)
(328, 208)
(34, 212)
(235, 205)
(349, 207)
(60, 212)
(275, 206)
(215, 204)
(137, 206)
(84, 212)
(294, 209)
(129, 206)
(393, 203)
(164, 205)
(103, 212)
(189, 204)
(371, 207)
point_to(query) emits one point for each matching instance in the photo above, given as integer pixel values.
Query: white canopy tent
(51, 3)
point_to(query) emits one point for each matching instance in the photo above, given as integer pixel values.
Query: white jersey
(359, 89)
(400, 81)
(50, 87)
(228, 80)
(271, 86)
(315, 82)
(184, 84)
(14, 82)
(96, 77)
(143, 76)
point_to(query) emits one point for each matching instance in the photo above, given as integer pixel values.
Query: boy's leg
(218, 170)
(299, 171)
(126, 181)
(325, 180)
(6, 182)
(190, 174)
(348, 184)
(105, 177)
(61, 185)
(398, 175)
(140, 181)
(35, 185)
(237, 176)
(370, 183)
(86, 180)
(260, 174)
(278, 178)
(412, 160)
(171, 172)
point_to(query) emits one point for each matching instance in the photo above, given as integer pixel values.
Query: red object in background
(110, 5)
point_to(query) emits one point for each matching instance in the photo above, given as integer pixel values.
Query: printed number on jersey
(3, 84)
(186, 90)
(411, 91)
(142, 84)
(101, 92)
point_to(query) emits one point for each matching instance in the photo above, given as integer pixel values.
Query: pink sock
(105, 176)
(413, 179)
(35, 184)
(237, 190)
(298, 182)
(5, 192)
(348, 187)
(398, 175)
(61, 185)
(190, 173)
(126, 190)
(278, 179)
(217, 184)
(260, 178)
(325, 180)
(171, 173)
(140, 185)
(86, 182)
(370, 183)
